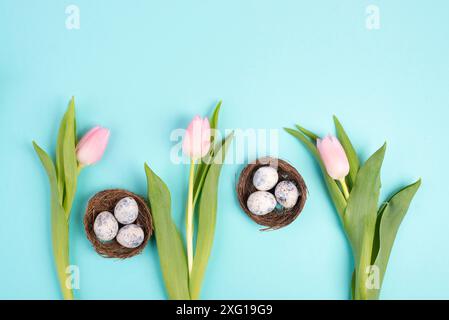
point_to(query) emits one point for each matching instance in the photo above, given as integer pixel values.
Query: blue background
(144, 68)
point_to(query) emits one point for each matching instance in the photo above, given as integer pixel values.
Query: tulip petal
(92, 146)
(196, 142)
(334, 157)
(87, 136)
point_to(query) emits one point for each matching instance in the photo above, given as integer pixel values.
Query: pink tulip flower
(196, 141)
(334, 159)
(92, 145)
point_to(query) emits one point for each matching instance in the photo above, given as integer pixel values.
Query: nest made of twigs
(279, 217)
(106, 201)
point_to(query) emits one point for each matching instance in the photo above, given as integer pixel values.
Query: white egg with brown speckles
(287, 194)
(130, 236)
(261, 203)
(265, 178)
(126, 210)
(105, 226)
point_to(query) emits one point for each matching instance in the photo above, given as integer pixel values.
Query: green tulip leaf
(214, 117)
(67, 151)
(59, 224)
(204, 165)
(207, 216)
(60, 158)
(353, 159)
(170, 247)
(353, 285)
(389, 219)
(312, 136)
(360, 217)
(376, 241)
(334, 191)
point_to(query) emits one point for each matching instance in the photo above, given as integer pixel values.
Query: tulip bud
(196, 141)
(92, 145)
(334, 157)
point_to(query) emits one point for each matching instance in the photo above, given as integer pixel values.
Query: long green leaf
(334, 191)
(390, 219)
(59, 224)
(215, 114)
(376, 241)
(207, 216)
(170, 247)
(70, 162)
(60, 158)
(353, 159)
(204, 165)
(360, 217)
(353, 285)
(314, 137)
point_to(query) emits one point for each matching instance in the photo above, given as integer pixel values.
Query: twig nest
(277, 206)
(134, 229)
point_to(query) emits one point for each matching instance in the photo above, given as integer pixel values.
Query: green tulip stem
(344, 188)
(189, 225)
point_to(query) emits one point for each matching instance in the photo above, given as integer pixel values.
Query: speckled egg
(105, 226)
(265, 178)
(126, 210)
(286, 194)
(130, 236)
(261, 202)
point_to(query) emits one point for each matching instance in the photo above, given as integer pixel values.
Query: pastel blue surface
(144, 68)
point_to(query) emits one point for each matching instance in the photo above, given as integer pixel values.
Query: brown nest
(106, 201)
(279, 217)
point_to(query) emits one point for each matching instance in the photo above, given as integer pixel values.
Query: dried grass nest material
(106, 201)
(280, 217)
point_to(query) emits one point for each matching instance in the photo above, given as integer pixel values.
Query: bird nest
(279, 217)
(106, 201)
